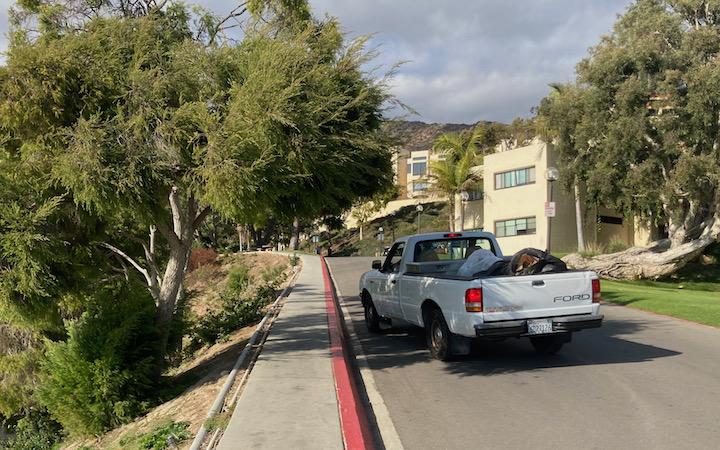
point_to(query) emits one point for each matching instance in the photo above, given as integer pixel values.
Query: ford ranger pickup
(419, 283)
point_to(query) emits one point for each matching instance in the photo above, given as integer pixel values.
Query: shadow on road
(399, 347)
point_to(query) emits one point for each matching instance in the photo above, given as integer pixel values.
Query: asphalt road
(641, 381)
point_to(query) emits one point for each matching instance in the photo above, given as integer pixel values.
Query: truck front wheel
(438, 336)
(549, 345)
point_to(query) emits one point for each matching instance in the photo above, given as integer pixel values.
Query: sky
(465, 60)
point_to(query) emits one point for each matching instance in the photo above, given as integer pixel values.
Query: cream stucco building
(510, 202)
(515, 193)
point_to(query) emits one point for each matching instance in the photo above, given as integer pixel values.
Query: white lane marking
(386, 427)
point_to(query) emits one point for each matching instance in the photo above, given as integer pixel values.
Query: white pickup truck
(418, 284)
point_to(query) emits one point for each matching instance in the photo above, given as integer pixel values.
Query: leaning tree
(146, 118)
(641, 128)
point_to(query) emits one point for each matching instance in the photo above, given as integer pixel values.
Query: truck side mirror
(376, 265)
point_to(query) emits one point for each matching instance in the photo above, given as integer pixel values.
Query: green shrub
(159, 437)
(274, 275)
(294, 260)
(18, 379)
(592, 249)
(616, 245)
(234, 314)
(36, 431)
(240, 305)
(238, 279)
(102, 376)
(265, 293)
(218, 421)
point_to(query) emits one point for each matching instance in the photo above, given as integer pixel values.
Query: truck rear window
(451, 249)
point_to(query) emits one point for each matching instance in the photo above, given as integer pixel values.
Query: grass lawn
(696, 301)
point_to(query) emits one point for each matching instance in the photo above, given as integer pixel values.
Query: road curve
(641, 381)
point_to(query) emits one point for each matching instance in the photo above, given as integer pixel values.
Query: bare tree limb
(122, 269)
(174, 199)
(236, 12)
(153, 230)
(127, 258)
(200, 217)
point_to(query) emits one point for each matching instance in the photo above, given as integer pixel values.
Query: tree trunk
(295, 237)
(676, 232)
(460, 210)
(689, 220)
(167, 290)
(239, 230)
(658, 260)
(579, 219)
(248, 237)
(171, 291)
(451, 213)
(661, 258)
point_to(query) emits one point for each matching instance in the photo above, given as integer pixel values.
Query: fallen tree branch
(656, 261)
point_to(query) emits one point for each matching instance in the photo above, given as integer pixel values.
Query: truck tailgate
(535, 296)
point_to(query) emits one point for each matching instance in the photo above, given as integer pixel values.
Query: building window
(610, 219)
(421, 186)
(515, 227)
(512, 178)
(475, 194)
(419, 168)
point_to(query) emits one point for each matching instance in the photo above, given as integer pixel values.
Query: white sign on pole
(549, 209)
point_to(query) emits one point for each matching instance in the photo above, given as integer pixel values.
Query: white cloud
(4, 6)
(468, 59)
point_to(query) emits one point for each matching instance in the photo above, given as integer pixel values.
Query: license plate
(539, 326)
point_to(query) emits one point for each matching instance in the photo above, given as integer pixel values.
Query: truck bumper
(564, 324)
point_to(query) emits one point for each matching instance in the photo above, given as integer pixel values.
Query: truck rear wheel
(372, 319)
(548, 345)
(438, 336)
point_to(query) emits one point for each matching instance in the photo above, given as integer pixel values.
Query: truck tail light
(596, 291)
(474, 300)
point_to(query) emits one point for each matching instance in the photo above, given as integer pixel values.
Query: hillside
(416, 135)
(403, 222)
(193, 384)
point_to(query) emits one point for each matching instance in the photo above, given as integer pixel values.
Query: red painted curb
(353, 417)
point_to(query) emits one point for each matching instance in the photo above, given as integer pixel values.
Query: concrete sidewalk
(289, 400)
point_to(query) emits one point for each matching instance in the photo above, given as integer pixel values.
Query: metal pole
(549, 221)
(418, 220)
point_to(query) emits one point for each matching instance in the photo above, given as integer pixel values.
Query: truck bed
(505, 297)
(450, 276)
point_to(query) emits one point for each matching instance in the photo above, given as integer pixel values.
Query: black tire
(547, 345)
(372, 319)
(438, 336)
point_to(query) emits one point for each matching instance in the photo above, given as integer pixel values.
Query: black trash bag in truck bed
(530, 261)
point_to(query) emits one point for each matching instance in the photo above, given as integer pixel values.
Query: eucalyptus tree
(641, 128)
(151, 119)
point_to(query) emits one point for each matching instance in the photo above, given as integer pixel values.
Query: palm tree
(453, 174)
